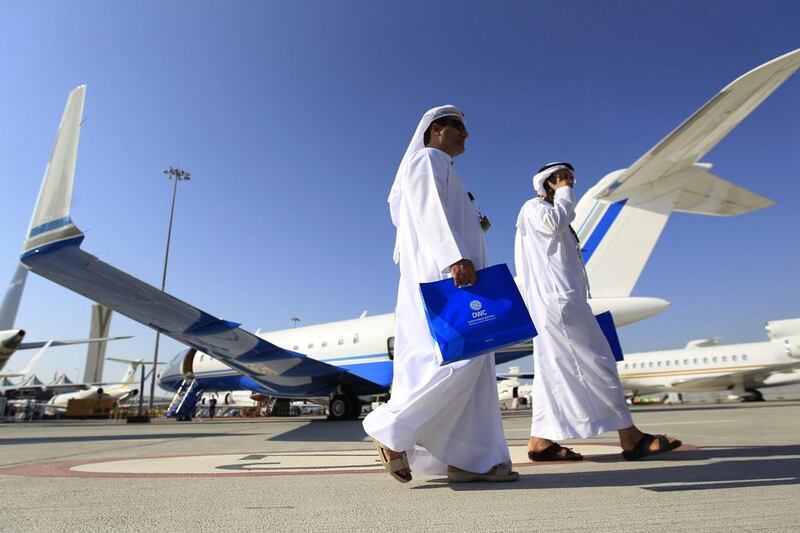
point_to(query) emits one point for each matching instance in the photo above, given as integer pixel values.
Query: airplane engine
(240, 398)
(778, 329)
(792, 346)
(10, 340)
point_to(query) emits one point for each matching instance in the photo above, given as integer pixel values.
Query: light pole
(295, 320)
(179, 175)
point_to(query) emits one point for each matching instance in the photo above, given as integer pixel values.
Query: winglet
(51, 221)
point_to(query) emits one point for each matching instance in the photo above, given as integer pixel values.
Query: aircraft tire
(341, 408)
(753, 395)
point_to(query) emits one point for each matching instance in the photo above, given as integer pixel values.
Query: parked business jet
(619, 221)
(706, 366)
(11, 338)
(510, 388)
(125, 389)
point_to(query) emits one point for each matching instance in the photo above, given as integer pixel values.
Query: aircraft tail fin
(51, 219)
(617, 238)
(10, 305)
(130, 372)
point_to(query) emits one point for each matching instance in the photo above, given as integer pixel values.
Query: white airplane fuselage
(363, 346)
(736, 367)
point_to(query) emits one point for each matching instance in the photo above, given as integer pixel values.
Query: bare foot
(538, 444)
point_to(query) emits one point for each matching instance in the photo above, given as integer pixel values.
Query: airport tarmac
(739, 470)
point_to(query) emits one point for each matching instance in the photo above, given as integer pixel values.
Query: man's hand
(463, 273)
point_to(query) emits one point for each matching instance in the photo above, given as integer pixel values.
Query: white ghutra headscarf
(540, 177)
(417, 144)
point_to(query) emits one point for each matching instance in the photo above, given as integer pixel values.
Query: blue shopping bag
(478, 319)
(606, 323)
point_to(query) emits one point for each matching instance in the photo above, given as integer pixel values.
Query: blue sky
(292, 118)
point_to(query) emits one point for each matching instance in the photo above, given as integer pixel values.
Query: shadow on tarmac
(770, 469)
(324, 431)
(99, 438)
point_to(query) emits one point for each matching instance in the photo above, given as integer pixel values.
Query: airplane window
(634, 365)
(677, 362)
(667, 363)
(324, 344)
(296, 347)
(734, 358)
(714, 359)
(355, 338)
(744, 357)
(724, 358)
(659, 363)
(651, 364)
(390, 347)
(694, 361)
(310, 345)
(705, 360)
(626, 366)
(341, 341)
(685, 361)
(202, 356)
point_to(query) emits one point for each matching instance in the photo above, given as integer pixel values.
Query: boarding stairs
(270, 406)
(183, 403)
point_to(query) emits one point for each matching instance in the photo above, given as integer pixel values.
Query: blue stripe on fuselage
(601, 229)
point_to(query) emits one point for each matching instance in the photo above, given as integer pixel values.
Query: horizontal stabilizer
(132, 361)
(707, 194)
(39, 344)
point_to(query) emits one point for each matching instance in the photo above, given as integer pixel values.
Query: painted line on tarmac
(328, 462)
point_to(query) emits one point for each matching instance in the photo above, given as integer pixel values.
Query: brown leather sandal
(394, 466)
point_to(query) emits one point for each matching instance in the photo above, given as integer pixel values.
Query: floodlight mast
(178, 175)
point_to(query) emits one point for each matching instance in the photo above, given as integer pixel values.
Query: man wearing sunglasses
(576, 391)
(440, 419)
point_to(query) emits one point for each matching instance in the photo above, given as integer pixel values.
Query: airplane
(124, 390)
(703, 365)
(706, 366)
(509, 387)
(11, 337)
(619, 221)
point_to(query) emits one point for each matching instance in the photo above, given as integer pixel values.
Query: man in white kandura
(576, 389)
(439, 418)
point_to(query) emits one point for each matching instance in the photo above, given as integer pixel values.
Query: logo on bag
(478, 312)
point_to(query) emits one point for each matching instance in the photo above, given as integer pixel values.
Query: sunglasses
(457, 124)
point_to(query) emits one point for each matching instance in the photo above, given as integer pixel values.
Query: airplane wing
(52, 250)
(698, 134)
(39, 344)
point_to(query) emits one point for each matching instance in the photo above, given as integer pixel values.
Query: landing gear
(344, 407)
(753, 395)
(282, 407)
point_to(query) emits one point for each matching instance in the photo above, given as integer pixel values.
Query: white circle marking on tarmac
(280, 463)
